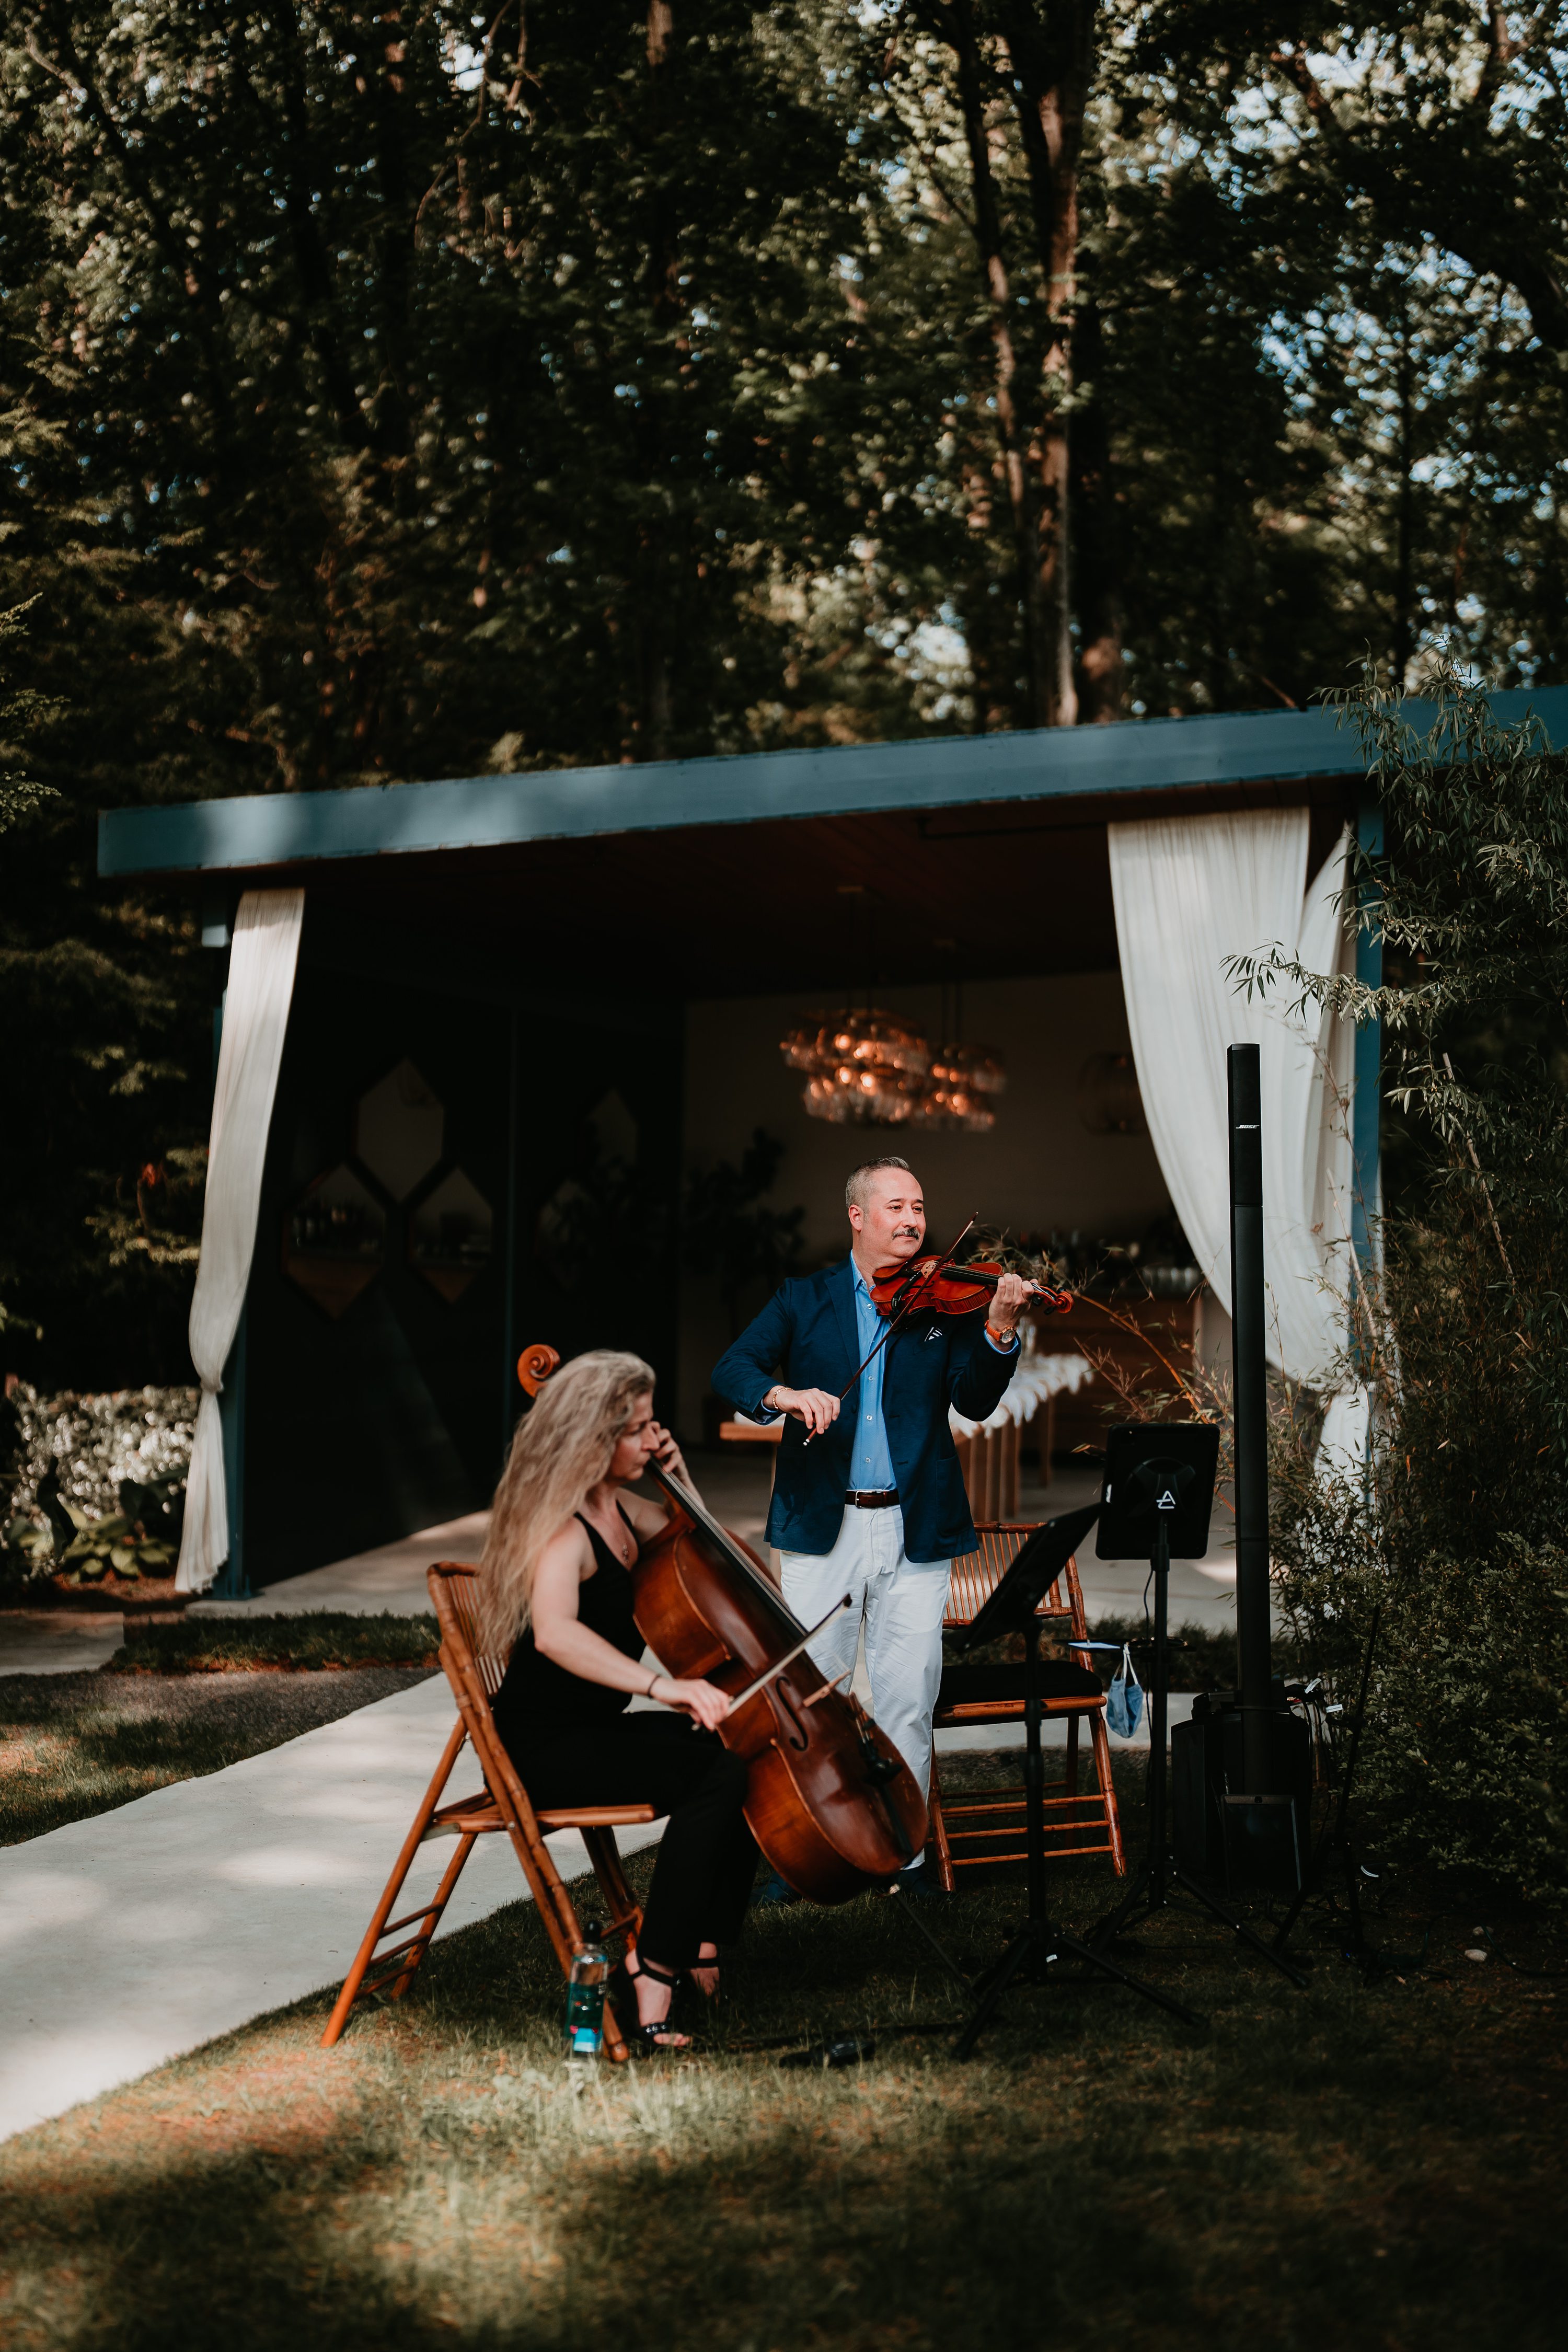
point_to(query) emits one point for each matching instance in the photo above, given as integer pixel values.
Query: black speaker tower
(1250, 1392)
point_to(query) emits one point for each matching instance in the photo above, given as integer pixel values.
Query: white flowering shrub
(97, 1483)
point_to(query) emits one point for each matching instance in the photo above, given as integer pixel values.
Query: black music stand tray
(1013, 1609)
(1162, 1476)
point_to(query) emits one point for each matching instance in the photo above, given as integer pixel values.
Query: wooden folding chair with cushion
(503, 1805)
(989, 1826)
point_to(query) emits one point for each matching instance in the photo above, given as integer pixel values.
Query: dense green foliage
(1451, 1543)
(389, 394)
(728, 1229)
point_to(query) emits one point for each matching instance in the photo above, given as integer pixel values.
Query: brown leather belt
(871, 1498)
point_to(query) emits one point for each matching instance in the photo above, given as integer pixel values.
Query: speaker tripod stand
(1160, 1883)
(1039, 1944)
(1336, 1840)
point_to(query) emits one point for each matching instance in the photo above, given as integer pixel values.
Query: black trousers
(708, 1858)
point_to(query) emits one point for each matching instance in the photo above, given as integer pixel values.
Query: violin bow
(917, 1284)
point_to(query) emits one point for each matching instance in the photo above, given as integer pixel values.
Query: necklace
(620, 1538)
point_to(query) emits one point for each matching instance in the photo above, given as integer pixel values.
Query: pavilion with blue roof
(525, 1003)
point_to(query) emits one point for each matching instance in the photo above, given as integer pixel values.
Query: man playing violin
(869, 1500)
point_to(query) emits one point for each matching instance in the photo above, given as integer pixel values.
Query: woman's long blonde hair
(559, 1450)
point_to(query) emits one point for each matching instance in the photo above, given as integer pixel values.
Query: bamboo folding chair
(503, 1805)
(989, 1826)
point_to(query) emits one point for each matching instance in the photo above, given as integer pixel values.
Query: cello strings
(704, 1518)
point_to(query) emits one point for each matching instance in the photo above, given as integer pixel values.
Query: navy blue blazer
(808, 1328)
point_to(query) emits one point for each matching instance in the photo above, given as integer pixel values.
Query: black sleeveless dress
(575, 1744)
(539, 1702)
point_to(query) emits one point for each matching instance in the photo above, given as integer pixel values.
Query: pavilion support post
(231, 1583)
(1366, 1106)
(509, 1391)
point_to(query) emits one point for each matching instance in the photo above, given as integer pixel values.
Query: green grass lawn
(324, 1641)
(1348, 2166)
(72, 1745)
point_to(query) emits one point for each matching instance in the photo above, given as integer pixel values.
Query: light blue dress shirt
(870, 1463)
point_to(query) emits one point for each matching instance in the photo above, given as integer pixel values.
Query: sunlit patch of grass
(80, 1744)
(1350, 2165)
(321, 1640)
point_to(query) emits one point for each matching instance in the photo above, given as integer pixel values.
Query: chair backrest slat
(458, 1585)
(474, 1681)
(976, 1574)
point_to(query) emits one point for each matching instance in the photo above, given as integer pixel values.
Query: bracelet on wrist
(648, 1693)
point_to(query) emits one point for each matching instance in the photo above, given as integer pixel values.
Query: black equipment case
(1220, 1840)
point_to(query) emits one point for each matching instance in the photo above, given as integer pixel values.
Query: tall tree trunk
(1052, 53)
(654, 590)
(956, 22)
(1405, 522)
(1097, 537)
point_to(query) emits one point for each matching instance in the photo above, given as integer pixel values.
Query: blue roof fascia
(1139, 755)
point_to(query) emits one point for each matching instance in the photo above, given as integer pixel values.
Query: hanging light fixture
(962, 1079)
(861, 1069)
(868, 1068)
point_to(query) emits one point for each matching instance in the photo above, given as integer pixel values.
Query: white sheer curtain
(1189, 892)
(255, 1017)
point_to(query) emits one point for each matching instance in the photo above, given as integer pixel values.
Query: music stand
(1156, 1498)
(1014, 1608)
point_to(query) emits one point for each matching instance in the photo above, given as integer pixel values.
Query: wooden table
(751, 1432)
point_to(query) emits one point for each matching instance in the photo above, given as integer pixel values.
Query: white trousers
(902, 1603)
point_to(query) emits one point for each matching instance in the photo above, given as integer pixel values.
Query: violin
(830, 1798)
(930, 1285)
(939, 1287)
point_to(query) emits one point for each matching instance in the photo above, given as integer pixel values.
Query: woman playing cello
(556, 1590)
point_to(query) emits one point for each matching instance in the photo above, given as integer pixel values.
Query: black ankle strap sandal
(715, 1967)
(622, 1990)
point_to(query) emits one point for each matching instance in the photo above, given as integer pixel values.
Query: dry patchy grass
(1353, 2167)
(74, 1745)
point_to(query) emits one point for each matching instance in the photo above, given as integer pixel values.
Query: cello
(829, 1799)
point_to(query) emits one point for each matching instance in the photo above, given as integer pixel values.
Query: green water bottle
(585, 1995)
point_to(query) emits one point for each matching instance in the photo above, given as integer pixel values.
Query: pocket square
(934, 1333)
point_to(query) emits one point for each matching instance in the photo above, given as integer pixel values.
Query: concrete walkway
(130, 1939)
(391, 1577)
(736, 1486)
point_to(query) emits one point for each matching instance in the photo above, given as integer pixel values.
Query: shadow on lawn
(73, 1746)
(1334, 2167)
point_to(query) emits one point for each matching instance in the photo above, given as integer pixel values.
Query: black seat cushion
(979, 1685)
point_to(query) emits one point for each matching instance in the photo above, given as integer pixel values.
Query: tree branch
(1433, 203)
(207, 317)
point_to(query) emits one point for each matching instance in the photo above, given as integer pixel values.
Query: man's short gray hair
(856, 1189)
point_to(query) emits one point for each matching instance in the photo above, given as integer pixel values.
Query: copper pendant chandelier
(962, 1080)
(875, 1068)
(861, 1069)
